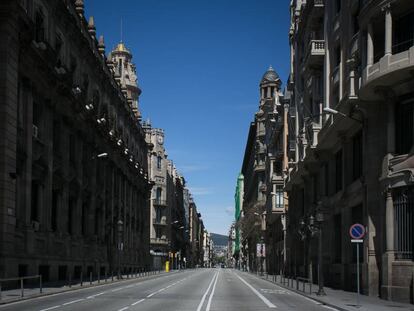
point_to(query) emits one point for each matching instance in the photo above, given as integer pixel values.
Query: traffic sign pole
(357, 246)
(357, 233)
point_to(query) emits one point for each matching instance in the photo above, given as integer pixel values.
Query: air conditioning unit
(35, 225)
(35, 131)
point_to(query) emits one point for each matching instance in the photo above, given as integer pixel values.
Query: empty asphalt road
(195, 290)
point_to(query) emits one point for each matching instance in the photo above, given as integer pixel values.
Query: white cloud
(229, 210)
(200, 191)
(192, 168)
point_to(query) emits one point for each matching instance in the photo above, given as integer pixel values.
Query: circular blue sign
(357, 231)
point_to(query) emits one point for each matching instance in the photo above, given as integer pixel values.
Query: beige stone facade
(354, 160)
(74, 187)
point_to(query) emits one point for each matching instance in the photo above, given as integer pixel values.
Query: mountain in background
(219, 239)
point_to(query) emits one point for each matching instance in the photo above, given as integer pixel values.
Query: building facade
(352, 96)
(160, 212)
(74, 185)
(263, 209)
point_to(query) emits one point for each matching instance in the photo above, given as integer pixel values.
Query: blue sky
(199, 64)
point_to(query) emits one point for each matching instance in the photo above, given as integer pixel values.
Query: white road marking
(330, 308)
(73, 301)
(137, 302)
(205, 294)
(51, 308)
(263, 298)
(212, 292)
(117, 289)
(124, 308)
(96, 295)
(150, 295)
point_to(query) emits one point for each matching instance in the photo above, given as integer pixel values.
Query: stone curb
(72, 289)
(302, 293)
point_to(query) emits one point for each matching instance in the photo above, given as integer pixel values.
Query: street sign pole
(357, 247)
(357, 233)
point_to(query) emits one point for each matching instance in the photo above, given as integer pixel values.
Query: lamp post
(315, 224)
(120, 229)
(314, 227)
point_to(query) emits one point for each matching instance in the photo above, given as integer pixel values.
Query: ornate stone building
(352, 88)
(74, 187)
(264, 163)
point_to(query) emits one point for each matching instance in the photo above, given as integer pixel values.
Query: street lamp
(333, 111)
(315, 226)
(120, 229)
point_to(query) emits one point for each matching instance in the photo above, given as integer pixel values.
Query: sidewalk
(12, 295)
(339, 299)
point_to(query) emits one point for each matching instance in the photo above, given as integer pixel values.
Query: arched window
(159, 162)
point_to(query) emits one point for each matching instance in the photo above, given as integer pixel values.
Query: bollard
(90, 278)
(21, 287)
(81, 276)
(106, 276)
(297, 284)
(0, 291)
(40, 283)
(310, 288)
(112, 276)
(70, 280)
(303, 288)
(99, 277)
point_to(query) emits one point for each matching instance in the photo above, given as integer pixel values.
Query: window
(34, 212)
(357, 156)
(337, 238)
(71, 206)
(326, 177)
(39, 26)
(403, 199)
(338, 6)
(72, 148)
(404, 127)
(355, 23)
(158, 214)
(158, 195)
(55, 202)
(120, 66)
(338, 171)
(59, 51)
(158, 233)
(159, 162)
(403, 33)
(279, 196)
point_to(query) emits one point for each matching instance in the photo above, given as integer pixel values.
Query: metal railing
(21, 283)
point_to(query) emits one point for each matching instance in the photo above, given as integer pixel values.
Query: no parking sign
(357, 233)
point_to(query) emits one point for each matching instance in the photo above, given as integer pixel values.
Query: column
(388, 30)
(370, 45)
(389, 221)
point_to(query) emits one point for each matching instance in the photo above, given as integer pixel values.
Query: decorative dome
(270, 76)
(121, 48)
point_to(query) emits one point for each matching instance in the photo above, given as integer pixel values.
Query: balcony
(315, 53)
(390, 70)
(160, 221)
(159, 241)
(158, 202)
(313, 11)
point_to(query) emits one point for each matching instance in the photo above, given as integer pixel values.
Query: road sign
(357, 231)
